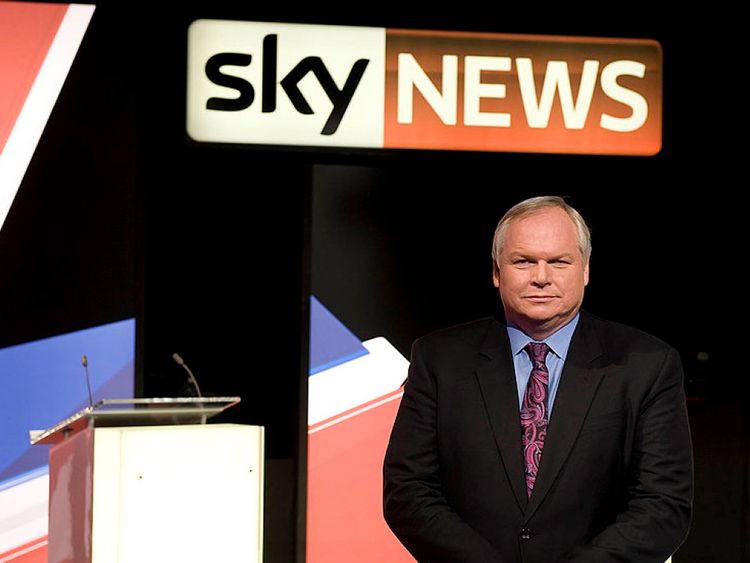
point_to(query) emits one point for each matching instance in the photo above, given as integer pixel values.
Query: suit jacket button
(525, 534)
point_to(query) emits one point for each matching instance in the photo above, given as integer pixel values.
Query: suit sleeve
(656, 517)
(413, 503)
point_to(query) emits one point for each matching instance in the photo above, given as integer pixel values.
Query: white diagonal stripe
(23, 139)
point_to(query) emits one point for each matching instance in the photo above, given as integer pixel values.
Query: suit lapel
(578, 385)
(497, 382)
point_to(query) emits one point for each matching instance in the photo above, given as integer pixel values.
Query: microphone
(178, 359)
(180, 362)
(85, 363)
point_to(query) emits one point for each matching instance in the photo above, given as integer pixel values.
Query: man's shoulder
(457, 347)
(620, 336)
(469, 334)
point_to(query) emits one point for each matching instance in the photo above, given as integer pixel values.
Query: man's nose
(540, 273)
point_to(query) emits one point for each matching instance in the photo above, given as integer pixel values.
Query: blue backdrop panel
(44, 382)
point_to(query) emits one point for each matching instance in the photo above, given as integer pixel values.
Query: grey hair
(532, 205)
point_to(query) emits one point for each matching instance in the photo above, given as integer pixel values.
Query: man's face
(540, 273)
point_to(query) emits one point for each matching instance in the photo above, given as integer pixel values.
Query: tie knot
(537, 351)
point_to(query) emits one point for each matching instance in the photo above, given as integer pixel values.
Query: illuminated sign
(289, 84)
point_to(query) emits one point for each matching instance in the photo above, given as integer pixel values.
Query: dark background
(214, 248)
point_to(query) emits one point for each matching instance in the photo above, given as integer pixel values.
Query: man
(557, 436)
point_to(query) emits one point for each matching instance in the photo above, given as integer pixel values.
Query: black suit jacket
(615, 480)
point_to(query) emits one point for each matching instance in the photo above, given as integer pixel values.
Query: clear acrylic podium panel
(135, 412)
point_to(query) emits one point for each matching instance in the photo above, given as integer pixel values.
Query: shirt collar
(559, 341)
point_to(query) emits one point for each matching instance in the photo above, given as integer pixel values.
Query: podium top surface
(135, 412)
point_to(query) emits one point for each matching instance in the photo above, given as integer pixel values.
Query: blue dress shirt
(559, 342)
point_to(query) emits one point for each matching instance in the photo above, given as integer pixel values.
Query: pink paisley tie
(534, 412)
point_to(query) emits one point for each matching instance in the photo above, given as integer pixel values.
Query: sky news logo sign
(315, 85)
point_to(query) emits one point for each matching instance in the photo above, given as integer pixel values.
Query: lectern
(145, 480)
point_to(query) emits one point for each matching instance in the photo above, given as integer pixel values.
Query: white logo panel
(288, 84)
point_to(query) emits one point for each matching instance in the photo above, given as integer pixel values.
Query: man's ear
(586, 274)
(495, 274)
